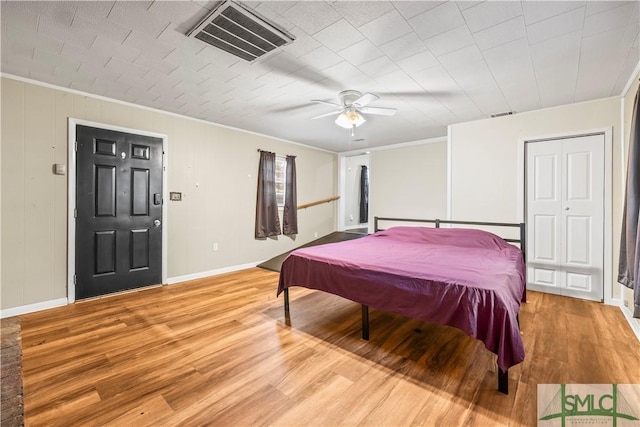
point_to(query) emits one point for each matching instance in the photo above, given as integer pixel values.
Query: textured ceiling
(438, 63)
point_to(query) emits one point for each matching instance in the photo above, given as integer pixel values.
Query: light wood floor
(217, 351)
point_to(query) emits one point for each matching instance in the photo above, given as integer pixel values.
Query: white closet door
(544, 214)
(565, 208)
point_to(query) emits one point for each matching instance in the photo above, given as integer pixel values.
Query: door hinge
(75, 279)
(75, 212)
(75, 145)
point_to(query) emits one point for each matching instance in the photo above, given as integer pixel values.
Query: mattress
(465, 278)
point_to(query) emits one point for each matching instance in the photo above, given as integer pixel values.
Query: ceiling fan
(352, 104)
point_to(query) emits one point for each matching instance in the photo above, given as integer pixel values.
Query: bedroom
(49, 49)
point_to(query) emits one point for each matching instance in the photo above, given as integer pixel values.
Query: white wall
(214, 167)
(409, 182)
(352, 169)
(485, 163)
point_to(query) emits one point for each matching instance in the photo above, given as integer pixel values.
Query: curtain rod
(260, 151)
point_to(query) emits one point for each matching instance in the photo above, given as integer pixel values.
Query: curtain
(267, 221)
(629, 267)
(290, 214)
(364, 194)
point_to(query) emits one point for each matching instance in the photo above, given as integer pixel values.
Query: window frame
(282, 160)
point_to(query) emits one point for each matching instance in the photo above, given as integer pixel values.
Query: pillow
(463, 237)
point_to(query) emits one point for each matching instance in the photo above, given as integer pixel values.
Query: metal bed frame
(503, 376)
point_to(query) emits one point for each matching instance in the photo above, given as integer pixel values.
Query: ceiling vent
(506, 113)
(240, 32)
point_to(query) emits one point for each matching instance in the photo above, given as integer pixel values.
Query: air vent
(240, 32)
(506, 113)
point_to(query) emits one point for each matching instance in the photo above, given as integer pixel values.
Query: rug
(275, 263)
(11, 403)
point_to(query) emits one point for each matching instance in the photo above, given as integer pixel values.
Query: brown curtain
(629, 267)
(364, 195)
(290, 214)
(267, 221)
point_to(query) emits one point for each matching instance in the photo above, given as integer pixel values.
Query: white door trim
(71, 220)
(342, 192)
(608, 144)
(342, 201)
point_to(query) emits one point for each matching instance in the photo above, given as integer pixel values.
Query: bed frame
(503, 376)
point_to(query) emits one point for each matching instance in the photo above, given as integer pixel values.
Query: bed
(466, 278)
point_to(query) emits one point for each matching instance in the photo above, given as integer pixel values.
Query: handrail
(318, 202)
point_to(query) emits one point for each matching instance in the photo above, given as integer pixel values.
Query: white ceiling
(438, 63)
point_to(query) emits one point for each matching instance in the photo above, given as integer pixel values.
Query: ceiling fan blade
(379, 110)
(333, 113)
(287, 65)
(365, 99)
(418, 94)
(290, 108)
(327, 102)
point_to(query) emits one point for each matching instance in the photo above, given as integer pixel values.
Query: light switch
(59, 169)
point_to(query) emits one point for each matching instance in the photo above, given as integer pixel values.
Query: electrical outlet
(215, 247)
(315, 234)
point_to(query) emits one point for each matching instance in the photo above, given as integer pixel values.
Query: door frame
(71, 174)
(607, 292)
(342, 193)
(342, 182)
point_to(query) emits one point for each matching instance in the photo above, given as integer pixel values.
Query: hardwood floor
(217, 351)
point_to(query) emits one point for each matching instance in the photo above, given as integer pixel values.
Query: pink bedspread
(469, 279)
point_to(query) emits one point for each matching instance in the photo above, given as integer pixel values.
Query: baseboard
(634, 323)
(355, 227)
(39, 306)
(178, 279)
(31, 308)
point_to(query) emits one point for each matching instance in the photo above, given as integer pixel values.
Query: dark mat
(11, 404)
(275, 263)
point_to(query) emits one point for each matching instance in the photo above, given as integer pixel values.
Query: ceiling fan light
(350, 119)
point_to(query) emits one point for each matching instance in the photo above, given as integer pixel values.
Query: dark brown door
(119, 211)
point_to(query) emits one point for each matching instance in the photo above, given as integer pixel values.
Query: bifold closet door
(565, 212)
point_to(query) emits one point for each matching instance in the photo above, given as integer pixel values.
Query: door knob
(566, 209)
(157, 223)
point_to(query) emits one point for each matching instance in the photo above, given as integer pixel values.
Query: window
(281, 180)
